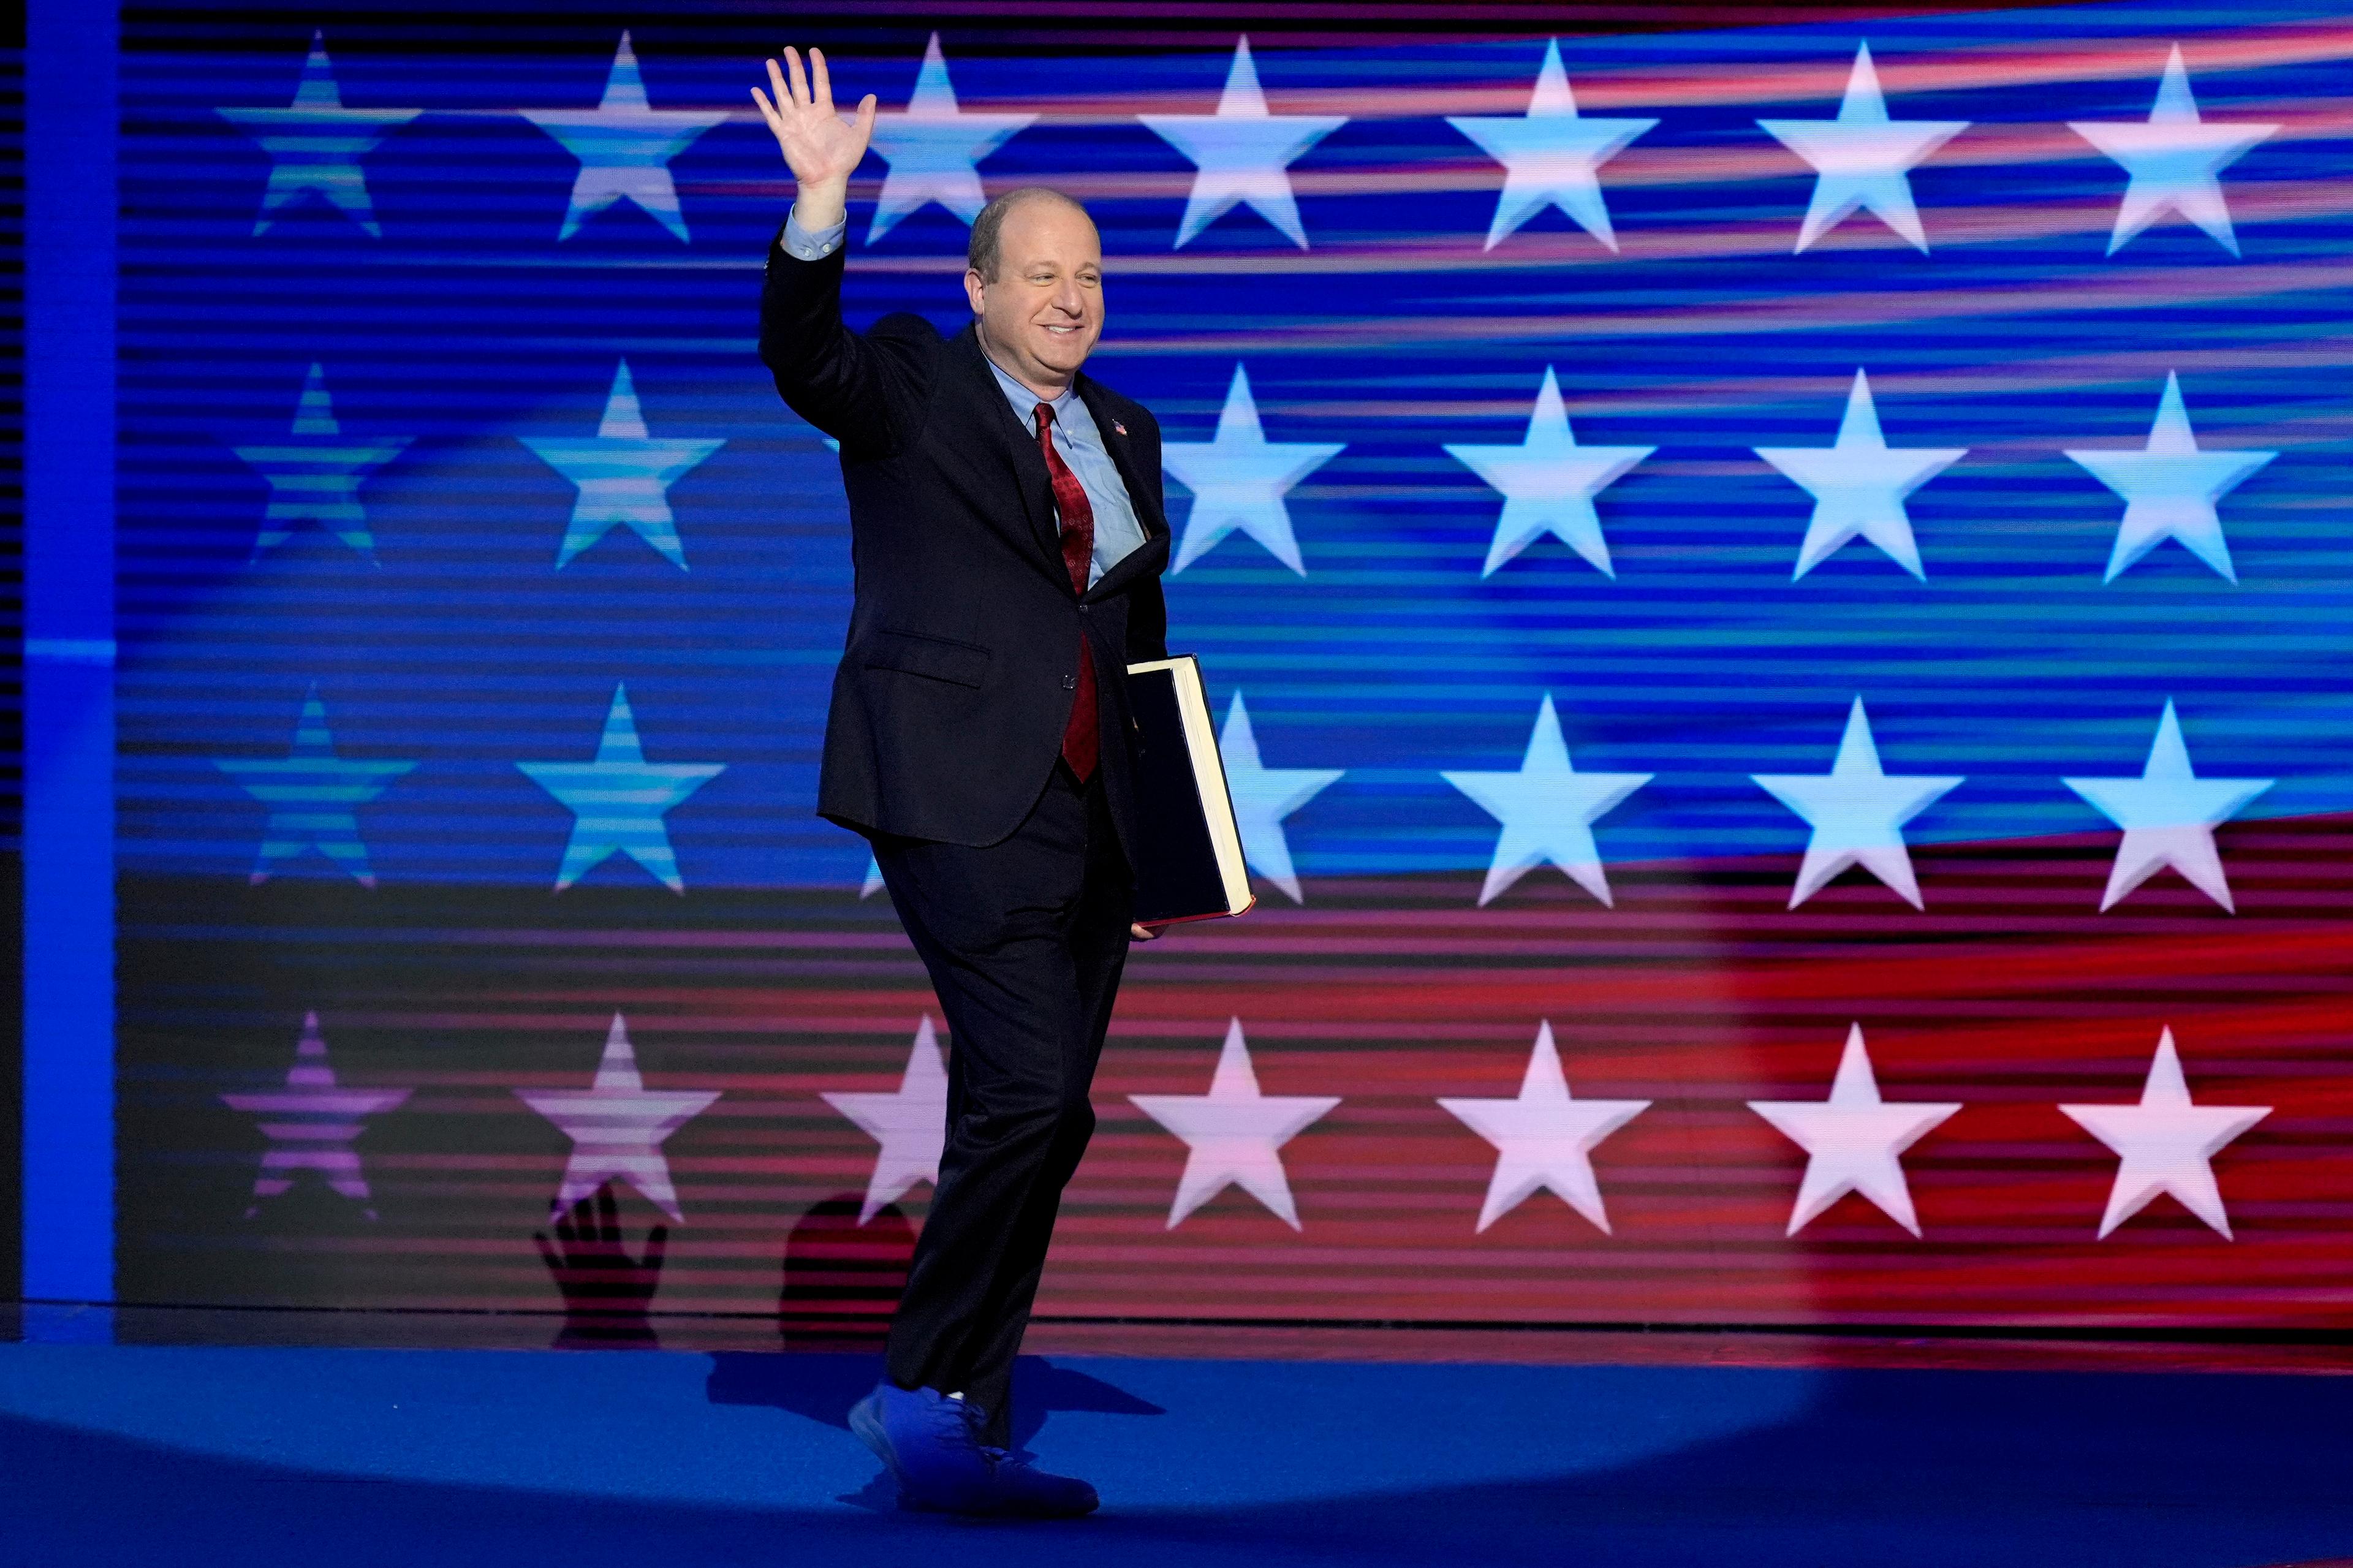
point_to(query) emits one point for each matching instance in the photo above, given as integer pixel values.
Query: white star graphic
(1264, 797)
(1862, 159)
(2165, 1144)
(911, 1123)
(1854, 1141)
(625, 146)
(315, 144)
(624, 475)
(1548, 483)
(1242, 154)
(2175, 160)
(1547, 810)
(1859, 483)
(2169, 816)
(2170, 488)
(312, 794)
(934, 149)
(616, 1126)
(315, 473)
(1239, 479)
(618, 799)
(1544, 1138)
(312, 1123)
(1857, 814)
(1233, 1134)
(1550, 157)
(873, 882)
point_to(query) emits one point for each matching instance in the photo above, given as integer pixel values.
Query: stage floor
(343, 1459)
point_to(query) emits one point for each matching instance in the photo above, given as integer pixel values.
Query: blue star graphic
(1548, 810)
(624, 475)
(2175, 160)
(315, 144)
(617, 800)
(315, 473)
(1862, 160)
(1239, 481)
(1548, 483)
(1263, 796)
(1551, 157)
(1242, 154)
(625, 146)
(2171, 488)
(1859, 483)
(311, 794)
(934, 149)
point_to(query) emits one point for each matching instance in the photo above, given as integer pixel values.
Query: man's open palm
(819, 146)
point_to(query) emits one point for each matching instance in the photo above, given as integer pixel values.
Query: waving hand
(820, 146)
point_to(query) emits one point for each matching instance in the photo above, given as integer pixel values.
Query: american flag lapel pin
(1118, 426)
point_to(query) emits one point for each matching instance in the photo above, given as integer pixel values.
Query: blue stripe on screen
(68, 830)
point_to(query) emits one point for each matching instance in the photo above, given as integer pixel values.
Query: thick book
(1189, 865)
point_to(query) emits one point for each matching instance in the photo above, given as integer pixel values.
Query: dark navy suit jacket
(956, 681)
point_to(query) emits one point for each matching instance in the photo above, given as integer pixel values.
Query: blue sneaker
(927, 1440)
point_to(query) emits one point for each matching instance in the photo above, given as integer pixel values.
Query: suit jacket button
(1069, 683)
(1085, 609)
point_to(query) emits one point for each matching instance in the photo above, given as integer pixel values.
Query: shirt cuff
(803, 246)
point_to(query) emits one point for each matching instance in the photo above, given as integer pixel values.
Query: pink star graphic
(311, 1123)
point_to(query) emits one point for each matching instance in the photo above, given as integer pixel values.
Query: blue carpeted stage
(349, 1458)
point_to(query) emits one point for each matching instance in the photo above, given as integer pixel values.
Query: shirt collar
(1025, 402)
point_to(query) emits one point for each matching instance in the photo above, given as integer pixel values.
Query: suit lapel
(1140, 495)
(1016, 442)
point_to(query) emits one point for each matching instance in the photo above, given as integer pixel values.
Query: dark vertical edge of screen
(12, 671)
(67, 1111)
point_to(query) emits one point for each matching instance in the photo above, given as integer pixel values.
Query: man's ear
(974, 289)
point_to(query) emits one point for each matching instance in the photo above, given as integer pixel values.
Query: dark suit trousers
(1025, 941)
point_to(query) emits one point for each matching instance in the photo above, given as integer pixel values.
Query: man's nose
(1068, 301)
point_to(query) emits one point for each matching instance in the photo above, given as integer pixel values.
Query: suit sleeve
(863, 390)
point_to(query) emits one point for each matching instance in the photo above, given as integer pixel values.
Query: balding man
(1007, 531)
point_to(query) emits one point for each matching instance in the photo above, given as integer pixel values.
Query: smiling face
(1043, 311)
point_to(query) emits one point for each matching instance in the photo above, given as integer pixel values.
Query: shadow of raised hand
(605, 1291)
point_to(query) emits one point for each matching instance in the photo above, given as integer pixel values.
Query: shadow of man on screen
(841, 1276)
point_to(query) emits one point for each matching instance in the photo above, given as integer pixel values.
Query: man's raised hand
(820, 147)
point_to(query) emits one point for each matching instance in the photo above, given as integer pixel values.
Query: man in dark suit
(1009, 536)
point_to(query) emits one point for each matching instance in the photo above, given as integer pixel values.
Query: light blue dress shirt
(1080, 443)
(1076, 435)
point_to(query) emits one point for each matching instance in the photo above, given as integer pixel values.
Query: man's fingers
(769, 111)
(820, 81)
(799, 81)
(866, 119)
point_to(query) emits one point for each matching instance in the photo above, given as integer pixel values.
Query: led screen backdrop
(1778, 599)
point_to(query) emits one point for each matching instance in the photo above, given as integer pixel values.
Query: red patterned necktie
(1081, 738)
